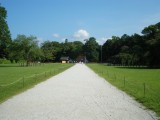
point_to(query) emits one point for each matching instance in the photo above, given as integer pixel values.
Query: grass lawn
(141, 83)
(15, 79)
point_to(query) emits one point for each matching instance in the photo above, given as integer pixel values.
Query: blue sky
(79, 19)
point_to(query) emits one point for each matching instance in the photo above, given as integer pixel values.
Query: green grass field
(141, 83)
(15, 79)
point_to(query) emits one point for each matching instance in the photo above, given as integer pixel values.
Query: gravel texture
(76, 94)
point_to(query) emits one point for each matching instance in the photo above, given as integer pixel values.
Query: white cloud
(40, 40)
(102, 40)
(81, 34)
(63, 39)
(56, 35)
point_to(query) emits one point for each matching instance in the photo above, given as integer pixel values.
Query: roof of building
(64, 58)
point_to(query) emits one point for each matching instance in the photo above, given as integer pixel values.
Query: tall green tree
(66, 48)
(5, 36)
(77, 49)
(26, 49)
(111, 48)
(51, 51)
(91, 50)
(152, 37)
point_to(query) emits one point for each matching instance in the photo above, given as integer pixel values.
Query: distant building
(64, 59)
(81, 58)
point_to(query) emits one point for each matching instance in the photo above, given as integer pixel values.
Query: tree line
(134, 50)
(25, 48)
(127, 50)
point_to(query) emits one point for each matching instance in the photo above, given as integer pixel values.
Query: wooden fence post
(35, 77)
(23, 81)
(144, 88)
(115, 76)
(124, 82)
(107, 73)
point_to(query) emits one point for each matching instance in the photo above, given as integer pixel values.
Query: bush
(4, 61)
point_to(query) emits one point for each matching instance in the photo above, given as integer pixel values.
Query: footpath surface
(76, 94)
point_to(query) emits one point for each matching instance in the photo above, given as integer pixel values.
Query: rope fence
(143, 91)
(26, 82)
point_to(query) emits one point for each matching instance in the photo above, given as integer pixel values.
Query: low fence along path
(76, 94)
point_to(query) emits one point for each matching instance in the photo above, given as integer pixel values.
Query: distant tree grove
(134, 50)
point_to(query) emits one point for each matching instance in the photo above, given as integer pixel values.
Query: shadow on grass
(125, 67)
(10, 65)
(132, 67)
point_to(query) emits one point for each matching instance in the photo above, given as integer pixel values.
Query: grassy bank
(141, 83)
(15, 79)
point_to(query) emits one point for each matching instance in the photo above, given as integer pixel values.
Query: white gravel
(76, 94)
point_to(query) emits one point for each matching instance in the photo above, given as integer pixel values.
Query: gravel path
(76, 94)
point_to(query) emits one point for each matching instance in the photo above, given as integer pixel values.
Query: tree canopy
(25, 48)
(91, 50)
(5, 36)
(135, 50)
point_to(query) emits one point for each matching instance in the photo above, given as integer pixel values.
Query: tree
(77, 49)
(136, 49)
(51, 51)
(152, 37)
(5, 36)
(26, 49)
(54, 50)
(91, 49)
(66, 48)
(111, 48)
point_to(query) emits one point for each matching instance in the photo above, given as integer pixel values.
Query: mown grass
(15, 79)
(141, 83)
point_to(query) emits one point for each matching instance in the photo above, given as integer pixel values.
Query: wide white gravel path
(76, 94)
